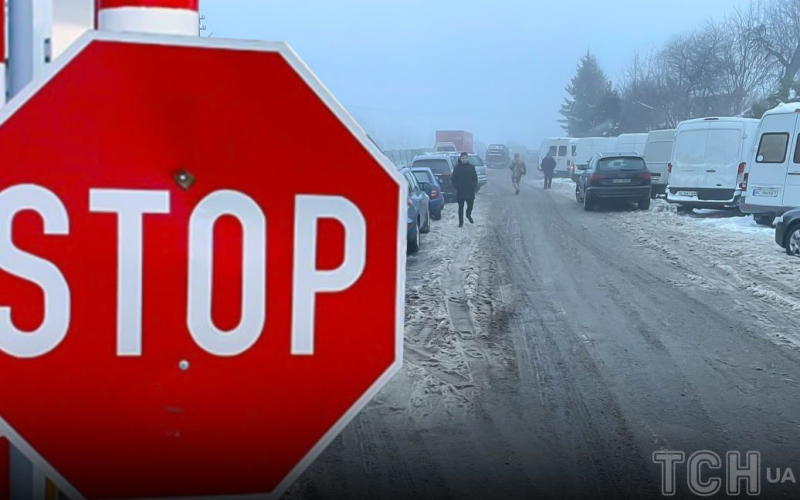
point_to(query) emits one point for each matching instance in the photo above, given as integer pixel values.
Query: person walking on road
(518, 169)
(465, 182)
(548, 167)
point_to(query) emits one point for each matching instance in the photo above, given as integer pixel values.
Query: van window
(772, 148)
(690, 148)
(552, 151)
(723, 147)
(659, 151)
(797, 151)
(562, 151)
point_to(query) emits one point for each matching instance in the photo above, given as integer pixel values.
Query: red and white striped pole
(161, 17)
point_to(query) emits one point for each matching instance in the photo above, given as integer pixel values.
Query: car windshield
(446, 148)
(422, 176)
(437, 166)
(620, 164)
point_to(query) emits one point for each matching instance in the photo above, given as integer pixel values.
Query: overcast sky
(498, 68)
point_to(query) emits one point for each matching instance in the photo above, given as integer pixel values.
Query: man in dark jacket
(465, 182)
(548, 167)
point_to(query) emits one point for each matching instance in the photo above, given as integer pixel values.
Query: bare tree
(778, 35)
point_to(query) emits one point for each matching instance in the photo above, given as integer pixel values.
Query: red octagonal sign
(201, 268)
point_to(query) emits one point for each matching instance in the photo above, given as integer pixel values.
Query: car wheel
(793, 241)
(653, 194)
(684, 209)
(588, 204)
(427, 227)
(437, 215)
(578, 194)
(644, 204)
(764, 220)
(414, 243)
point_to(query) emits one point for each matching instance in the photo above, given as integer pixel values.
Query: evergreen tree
(593, 106)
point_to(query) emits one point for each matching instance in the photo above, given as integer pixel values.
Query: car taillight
(645, 176)
(409, 203)
(669, 168)
(596, 178)
(743, 184)
(741, 178)
(434, 193)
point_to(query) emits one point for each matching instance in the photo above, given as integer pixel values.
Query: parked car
(419, 216)
(560, 148)
(498, 156)
(614, 176)
(427, 181)
(771, 184)
(787, 232)
(480, 167)
(709, 161)
(657, 155)
(442, 167)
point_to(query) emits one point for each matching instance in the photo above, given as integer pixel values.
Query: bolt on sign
(195, 295)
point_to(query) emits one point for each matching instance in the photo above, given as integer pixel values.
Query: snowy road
(550, 351)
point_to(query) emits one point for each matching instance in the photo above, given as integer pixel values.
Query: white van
(561, 150)
(631, 143)
(657, 155)
(771, 184)
(709, 160)
(585, 149)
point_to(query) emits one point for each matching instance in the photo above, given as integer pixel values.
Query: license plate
(622, 181)
(767, 193)
(688, 194)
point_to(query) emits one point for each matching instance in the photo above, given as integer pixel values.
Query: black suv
(614, 176)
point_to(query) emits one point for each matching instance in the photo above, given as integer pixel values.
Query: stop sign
(201, 268)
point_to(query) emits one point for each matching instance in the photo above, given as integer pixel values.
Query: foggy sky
(498, 68)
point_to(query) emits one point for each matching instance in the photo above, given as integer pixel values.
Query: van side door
(767, 179)
(791, 195)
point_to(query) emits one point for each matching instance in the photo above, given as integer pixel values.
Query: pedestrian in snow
(518, 169)
(548, 167)
(465, 182)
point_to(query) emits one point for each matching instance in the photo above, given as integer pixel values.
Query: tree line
(742, 65)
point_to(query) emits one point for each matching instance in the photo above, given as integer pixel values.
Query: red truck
(461, 139)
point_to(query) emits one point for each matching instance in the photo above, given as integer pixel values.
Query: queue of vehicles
(429, 182)
(743, 164)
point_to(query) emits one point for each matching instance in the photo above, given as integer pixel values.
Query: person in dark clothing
(548, 167)
(465, 182)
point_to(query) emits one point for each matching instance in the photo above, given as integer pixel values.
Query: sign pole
(158, 17)
(3, 56)
(30, 31)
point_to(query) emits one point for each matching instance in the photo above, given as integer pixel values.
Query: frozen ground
(716, 250)
(550, 351)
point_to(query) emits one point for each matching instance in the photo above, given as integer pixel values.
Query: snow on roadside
(717, 251)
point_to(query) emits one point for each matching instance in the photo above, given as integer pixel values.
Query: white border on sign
(358, 133)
